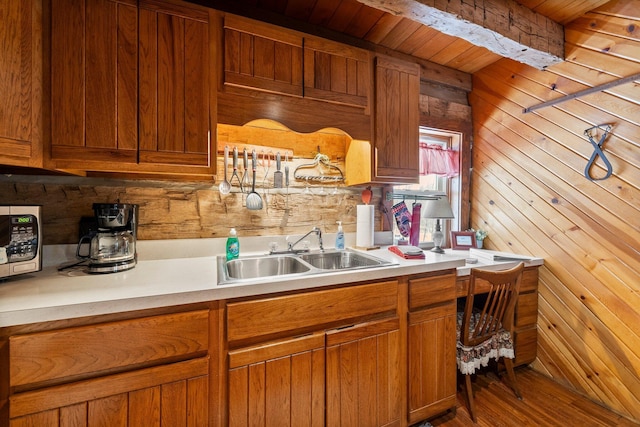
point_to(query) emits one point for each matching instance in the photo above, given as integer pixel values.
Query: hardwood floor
(545, 403)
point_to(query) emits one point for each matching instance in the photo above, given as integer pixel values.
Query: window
(433, 184)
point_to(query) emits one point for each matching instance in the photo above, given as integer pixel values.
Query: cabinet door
(170, 395)
(363, 375)
(336, 73)
(21, 83)
(432, 361)
(278, 383)
(131, 87)
(175, 103)
(262, 56)
(94, 82)
(397, 121)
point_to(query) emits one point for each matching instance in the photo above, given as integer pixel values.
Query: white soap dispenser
(340, 237)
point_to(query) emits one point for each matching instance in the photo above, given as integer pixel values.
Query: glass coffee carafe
(113, 247)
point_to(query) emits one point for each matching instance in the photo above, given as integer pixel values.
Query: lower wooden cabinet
(378, 353)
(146, 371)
(278, 383)
(363, 381)
(347, 376)
(340, 362)
(431, 346)
(171, 395)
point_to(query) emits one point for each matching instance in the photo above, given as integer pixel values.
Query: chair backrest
(501, 289)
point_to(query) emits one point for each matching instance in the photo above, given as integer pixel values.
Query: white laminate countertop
(173, 273)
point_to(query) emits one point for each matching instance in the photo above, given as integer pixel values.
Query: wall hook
(597, 151)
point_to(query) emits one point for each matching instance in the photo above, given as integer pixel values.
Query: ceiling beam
(502, 26)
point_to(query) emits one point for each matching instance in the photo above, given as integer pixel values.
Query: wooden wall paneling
(600, 108)
(585, 347)
(400, 33)
(557, 259)
(528, 187)
(610, 273)
(415, 43)
(578, 244)
(549, 196)
(383, 27)
(441, 47)
(614, 46)
(559, 158)
(591, 59)
(511, 227)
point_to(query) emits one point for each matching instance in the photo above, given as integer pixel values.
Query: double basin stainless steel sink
(266, 266)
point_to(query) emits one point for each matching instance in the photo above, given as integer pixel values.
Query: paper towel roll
(364, 226)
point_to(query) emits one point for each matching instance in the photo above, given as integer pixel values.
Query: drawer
(308, 311)
(431, 290)
(71, 354)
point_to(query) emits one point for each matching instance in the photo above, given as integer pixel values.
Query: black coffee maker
(113, 247)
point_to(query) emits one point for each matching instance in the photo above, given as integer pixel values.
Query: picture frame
(462, 240)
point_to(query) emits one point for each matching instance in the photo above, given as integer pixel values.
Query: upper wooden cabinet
(397, 120)
(94, 75)
(337, 73)
(277, 60)
(392, 155)
(131, 87)
(174, 75)
(21, 83)
(262, 56)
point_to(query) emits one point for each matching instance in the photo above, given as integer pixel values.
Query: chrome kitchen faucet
(290, 246)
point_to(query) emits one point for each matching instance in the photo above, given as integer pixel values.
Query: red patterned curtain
(437, 160)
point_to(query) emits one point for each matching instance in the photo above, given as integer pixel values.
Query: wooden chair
(486, 333)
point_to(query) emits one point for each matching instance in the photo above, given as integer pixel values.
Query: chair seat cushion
(472, 358)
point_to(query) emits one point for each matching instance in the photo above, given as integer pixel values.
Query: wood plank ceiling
(358, 21)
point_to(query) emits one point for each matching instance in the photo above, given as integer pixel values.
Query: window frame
(452, 187)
